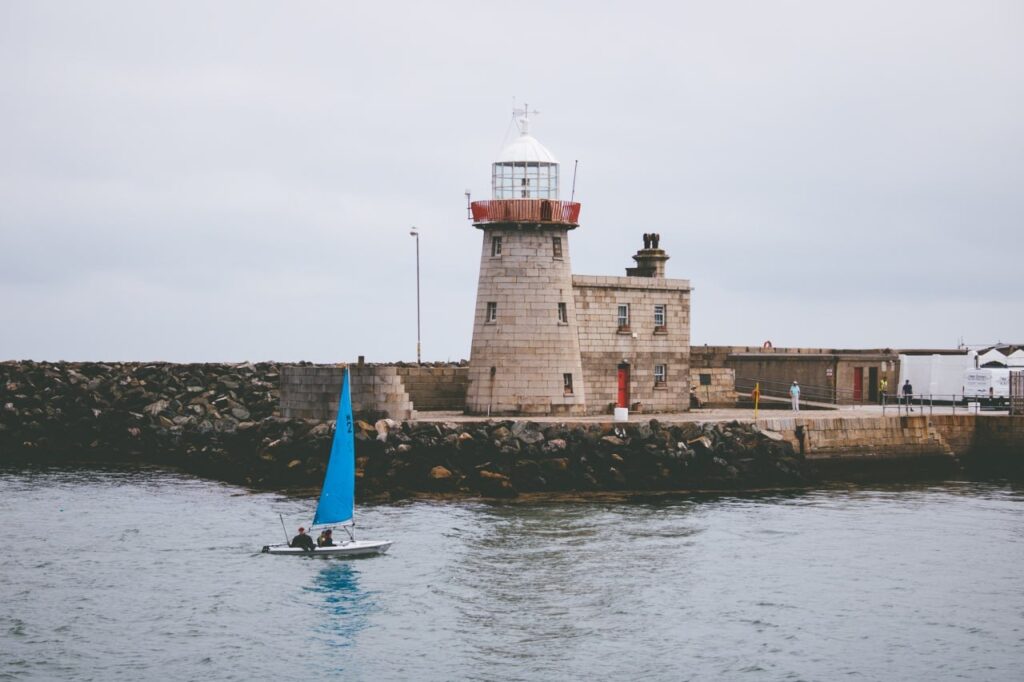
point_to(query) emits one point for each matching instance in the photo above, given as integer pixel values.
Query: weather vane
(522, 117)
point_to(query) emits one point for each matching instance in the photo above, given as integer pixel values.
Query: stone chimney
(650, 260)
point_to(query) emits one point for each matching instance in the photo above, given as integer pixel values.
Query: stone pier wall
(436, 388)
(312, 391)
(395, 391)
(971, 441)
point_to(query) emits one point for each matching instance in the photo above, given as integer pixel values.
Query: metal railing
(905, 404)
(1017, 392)
(780, 389)
(901, 403)
(526, 211)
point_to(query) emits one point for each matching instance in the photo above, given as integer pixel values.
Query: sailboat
(336, 508)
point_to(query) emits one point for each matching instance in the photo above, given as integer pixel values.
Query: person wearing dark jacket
(325, 539)
(908, 394)
(302, 541)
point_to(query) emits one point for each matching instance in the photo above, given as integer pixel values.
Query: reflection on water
(346, 608)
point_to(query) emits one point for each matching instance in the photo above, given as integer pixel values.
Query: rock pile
(218, 421)
(502, 459)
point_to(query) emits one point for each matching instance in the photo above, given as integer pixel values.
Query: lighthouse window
(563, 315)
(660, 374)
(524, 180)
(495, 247)
(492, 311)
(659, 318)
(567, 383)
(556, 247)
(623, 316)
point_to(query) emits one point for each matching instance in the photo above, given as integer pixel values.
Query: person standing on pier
(883, 388)
(794, 394)
(908, 392)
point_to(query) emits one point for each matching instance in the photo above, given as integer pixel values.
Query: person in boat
(325, 539)
(302, 541)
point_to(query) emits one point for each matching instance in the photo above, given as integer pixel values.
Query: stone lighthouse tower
(525, 357)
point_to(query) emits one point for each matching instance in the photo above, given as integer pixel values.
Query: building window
(495, 247)
(492, 311)
(567, 383)
(563, 314)
(659, 318)
(660, 375)
(556, 247)
(623, 316)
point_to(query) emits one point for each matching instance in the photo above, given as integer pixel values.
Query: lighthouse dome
(525, 169)
(526, 148)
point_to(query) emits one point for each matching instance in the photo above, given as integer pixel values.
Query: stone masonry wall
(313, 391)
(721, 392)
(603, 346)
(519, 358)
(436, 388)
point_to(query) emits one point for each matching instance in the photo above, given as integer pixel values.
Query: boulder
(527, 432)
(440, 473)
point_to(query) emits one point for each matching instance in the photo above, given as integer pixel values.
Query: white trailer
(939, 378)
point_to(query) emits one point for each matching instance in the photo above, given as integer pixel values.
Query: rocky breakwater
(505, 458)
(206, 418)
(217, 420)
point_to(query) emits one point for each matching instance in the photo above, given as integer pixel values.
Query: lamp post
(414, 232)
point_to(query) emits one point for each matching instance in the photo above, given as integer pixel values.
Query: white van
(989, 386)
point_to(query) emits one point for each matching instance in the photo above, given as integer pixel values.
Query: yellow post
(756, 395)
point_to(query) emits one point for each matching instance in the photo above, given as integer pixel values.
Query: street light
(414, 232)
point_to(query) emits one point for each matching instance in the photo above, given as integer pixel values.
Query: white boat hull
(354, 548)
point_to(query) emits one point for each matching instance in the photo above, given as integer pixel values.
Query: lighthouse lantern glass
(524, 180)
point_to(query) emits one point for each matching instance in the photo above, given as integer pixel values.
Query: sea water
(145, 574)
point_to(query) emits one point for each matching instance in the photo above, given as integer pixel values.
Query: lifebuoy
(767, 345)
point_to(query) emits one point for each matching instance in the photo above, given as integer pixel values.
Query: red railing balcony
(526, 211)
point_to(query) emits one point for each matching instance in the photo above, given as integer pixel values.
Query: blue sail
(337, 499)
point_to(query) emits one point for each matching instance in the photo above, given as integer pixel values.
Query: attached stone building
(546, 341)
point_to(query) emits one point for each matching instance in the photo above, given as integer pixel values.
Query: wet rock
(527, 432)
(440, 473)
(555, 445)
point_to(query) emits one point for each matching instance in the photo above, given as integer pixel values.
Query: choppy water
(145, 575)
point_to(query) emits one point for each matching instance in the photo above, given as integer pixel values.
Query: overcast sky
(227, 181)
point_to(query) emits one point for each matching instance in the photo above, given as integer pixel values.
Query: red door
(623, 386)
(858, 384)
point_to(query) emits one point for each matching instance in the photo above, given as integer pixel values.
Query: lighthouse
(525, 355)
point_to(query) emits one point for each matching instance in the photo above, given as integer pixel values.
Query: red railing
(526, 211)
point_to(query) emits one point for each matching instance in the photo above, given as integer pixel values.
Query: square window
(567, 383)
(623, 316)
(563, 314)
(492, 311)
(705, 379)
(660, 375)
(659, 317)
(556, 247)
(495, 247)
